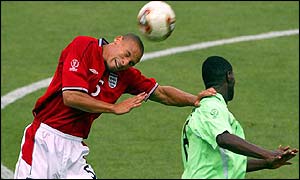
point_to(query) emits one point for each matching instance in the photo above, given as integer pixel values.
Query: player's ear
(229, 77)
(118, 38)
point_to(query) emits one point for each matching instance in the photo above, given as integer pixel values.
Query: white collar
(102, 41)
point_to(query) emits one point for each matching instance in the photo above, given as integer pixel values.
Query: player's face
(122, 54)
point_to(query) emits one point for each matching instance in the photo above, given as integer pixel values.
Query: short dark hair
(214, 71)
(136, 39)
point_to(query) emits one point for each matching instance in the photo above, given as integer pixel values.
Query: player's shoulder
(212, 102)
(210, 108)
(84, 39)
(134, 70)
(131, 71)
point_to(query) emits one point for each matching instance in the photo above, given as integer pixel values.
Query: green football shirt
(201, 155)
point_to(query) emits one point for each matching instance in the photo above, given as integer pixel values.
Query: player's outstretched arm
(273, 163)
(266, 159)
(243, 147)
(286, 153)
(84, 102)
(172, 96)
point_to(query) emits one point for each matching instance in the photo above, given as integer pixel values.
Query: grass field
(145, 143)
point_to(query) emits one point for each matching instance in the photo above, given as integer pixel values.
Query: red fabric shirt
(81, 67)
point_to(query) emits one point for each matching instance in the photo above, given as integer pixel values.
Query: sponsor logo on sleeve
(94, 71)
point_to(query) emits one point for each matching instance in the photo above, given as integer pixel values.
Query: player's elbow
(222, 139)
(68, 98)
(162, 95)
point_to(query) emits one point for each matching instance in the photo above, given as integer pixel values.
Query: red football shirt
(81, 67)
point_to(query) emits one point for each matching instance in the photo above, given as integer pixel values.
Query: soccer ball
(156, 20)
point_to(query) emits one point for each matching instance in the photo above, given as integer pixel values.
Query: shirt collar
(220, 97)
(102, 41)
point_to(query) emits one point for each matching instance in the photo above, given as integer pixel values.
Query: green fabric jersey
(201, 155)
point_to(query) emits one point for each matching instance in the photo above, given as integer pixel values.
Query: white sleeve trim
(152, 90)
(75, 88)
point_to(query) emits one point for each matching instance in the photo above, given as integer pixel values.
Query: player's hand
(281, 157)
(130, 103)
(207, 92)
(280, 150)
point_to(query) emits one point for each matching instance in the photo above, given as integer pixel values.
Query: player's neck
(223, 90)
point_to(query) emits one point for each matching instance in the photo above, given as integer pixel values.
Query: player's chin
(116, 69)
(112, 68)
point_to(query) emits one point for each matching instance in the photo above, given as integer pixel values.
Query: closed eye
(128, 54)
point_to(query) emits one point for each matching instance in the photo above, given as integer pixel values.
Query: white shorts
(55, 156)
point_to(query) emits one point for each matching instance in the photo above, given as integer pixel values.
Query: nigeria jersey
(201, 155)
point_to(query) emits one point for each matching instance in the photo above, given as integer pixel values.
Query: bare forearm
(266, 159)
(86, 103)
(240, 146)
(255, 165)
(172, 96)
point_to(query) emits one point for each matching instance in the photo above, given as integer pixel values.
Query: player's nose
(125, 61)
